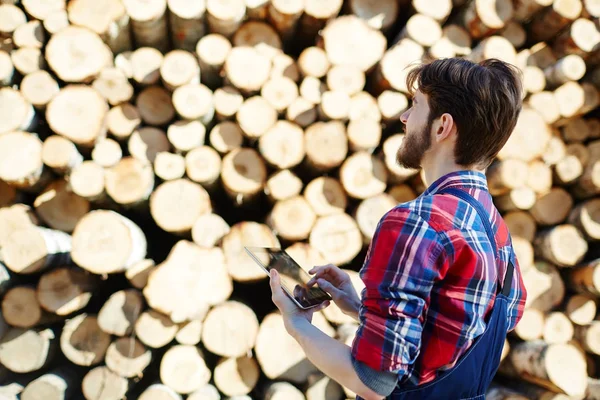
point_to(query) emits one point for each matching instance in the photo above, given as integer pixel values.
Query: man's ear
(445, 127)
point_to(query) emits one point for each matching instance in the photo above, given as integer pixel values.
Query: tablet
(293, 277)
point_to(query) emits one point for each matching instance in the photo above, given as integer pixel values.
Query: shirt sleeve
(404, 260)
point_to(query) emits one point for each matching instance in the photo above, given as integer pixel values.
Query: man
(442, 283)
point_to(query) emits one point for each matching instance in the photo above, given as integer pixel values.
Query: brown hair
(483, 98)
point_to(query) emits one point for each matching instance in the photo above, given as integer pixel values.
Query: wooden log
(124, 240)
(127, 357)
(247, 69)
(196, 374)
(529, 138)
(87, 181)
(392, 70)
(369, 212)
(227, 101)
(586, 217)
(138, 273)
(282, 146)
(581, 309)
(18, 114)
(555, 150)
(553, 207)
(21, 161)
(326, 145)
(179, 67)
(321, 387)
(145, 63)
(155, 106)
(531, 325)
(582, 98)
(302, 112)
(122, 120)
(212, 51)
(382, 15)
(230, 329)
(539, 177)
(246, 233)
(59, 207)
(186, 135)
(515, 33)
(364, 135)
(326, 196)
(32, 249)
(284, 16)
(21, 309)
(113, 85)
(345, 78)
(292, 219)
(175, 205)
(546, 105)
(7, 69)
(312, 89)
(158, 391)
(120, 312)
(200, 274)
(236, 376)
(28, 60)
(283, 390)
(83, 342)
(282, 185)
(534, 80)
(186, 23)
(363, 175)
(506, 174)
(364, 106)
(146, 142)
(494, 46)
(537, 362)
(203, 165)
(545, 286)
(313, 61)
(108, 19)
(226, 136)
(550, 21)
(563, 245)
(8, 194)
(15, 217)
(243, 174)
(585, 278)
(588, 183)
(37, 88)
(28, 350)
(102, 383)
(149, 23)
(569, 68)
(209, 230)
(256, 116)
(56, 21)
(524, 10)
(521, 224)
(107, 153)
(575, 131)
(194, 101)
(154, 329)
(485, 18)
(272, 341)
(190, 332)
(557, 328)
(37, 9)
(11, 17)
(257, 9)
(402, 193)
(76, 54)
(259, 35)
(78, 113)
(280, 92)
(335, 105)
(580, 38)
(316, 15)
(284, 65)
(130, 182)
(63, 291)
(225, 16)
(30, 34)
(587, 335)
(421, 29)
(391, 105)
(349, 40)
(524, 251)
(337, 237)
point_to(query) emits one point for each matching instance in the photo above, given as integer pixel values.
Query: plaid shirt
(430, 281)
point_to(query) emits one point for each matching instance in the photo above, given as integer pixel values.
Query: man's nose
(404, 116)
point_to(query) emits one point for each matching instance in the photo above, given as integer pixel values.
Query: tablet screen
(293, 277)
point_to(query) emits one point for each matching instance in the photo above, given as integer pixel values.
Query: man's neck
(435, 170)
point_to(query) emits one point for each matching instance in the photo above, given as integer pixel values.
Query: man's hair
(484, 99)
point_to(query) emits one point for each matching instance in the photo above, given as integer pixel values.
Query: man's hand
(289, 310)
(339, 286)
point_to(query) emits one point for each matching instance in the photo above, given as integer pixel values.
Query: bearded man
(442, 281)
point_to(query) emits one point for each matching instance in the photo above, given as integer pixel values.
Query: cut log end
(337, 237)
(230, 329)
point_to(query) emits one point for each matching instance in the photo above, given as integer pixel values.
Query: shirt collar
(459, 179)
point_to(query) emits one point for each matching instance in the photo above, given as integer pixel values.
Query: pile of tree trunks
(143, 143)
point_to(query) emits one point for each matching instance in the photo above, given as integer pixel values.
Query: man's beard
(414, 146)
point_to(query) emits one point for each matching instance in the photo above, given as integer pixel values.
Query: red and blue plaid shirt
(430, 281)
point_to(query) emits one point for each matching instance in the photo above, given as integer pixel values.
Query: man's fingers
(275, 283)
(328, 287)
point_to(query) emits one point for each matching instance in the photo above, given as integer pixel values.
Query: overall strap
(483, 214)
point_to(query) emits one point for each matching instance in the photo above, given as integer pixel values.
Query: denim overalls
(473, 373)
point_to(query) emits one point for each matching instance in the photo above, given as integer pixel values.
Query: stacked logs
(144, 143)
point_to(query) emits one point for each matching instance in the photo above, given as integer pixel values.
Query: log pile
(144, 143)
